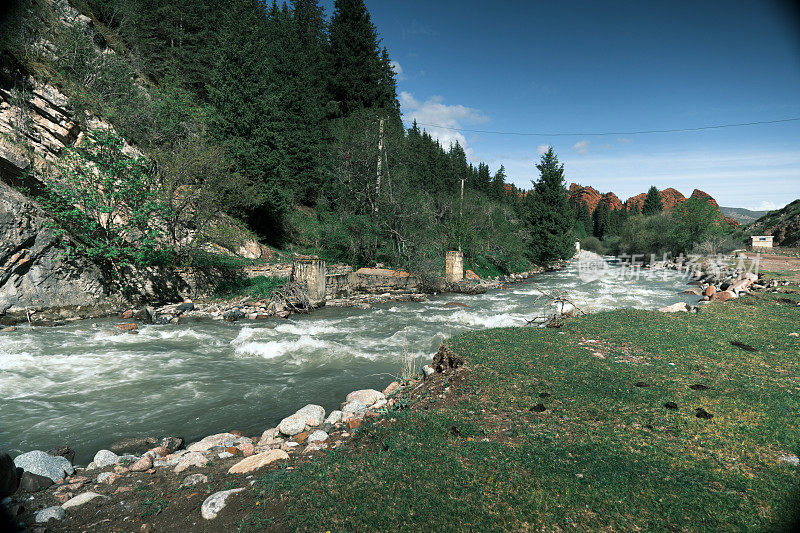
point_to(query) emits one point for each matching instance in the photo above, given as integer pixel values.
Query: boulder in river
(185, 307)
(136, 445)
(213, 441)
(310, 415)
(334, 417)
(43, 464)
(171, 444)
(366, 396)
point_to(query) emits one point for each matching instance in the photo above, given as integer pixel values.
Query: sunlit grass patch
(604, 454)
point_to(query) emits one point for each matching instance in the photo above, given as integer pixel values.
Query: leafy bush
(592, 244)
(106, 201)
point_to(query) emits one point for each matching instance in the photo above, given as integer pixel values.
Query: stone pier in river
(310, 271)
(454, 266)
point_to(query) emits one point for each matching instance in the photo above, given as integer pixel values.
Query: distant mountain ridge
(669, 198)
(744, 216)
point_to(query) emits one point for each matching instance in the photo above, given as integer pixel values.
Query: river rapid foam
(87, 385)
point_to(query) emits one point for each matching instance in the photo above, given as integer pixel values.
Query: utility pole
(461, 215)
(380, 163)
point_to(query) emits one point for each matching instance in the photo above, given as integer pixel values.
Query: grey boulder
(44, 464)
(215, 503)
(105, 458)
(55, 512)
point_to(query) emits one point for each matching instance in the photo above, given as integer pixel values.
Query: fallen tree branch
(558, 299)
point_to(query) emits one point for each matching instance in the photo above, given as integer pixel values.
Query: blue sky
(613, 66)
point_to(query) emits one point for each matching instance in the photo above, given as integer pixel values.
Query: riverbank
(542, 428)
(207, 305)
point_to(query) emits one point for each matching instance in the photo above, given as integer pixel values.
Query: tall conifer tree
(652, 202)
(549, 214)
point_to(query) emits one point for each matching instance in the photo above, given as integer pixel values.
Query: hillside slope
(744, 216)
(783, 225)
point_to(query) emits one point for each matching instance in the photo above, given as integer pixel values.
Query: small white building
(762, 241)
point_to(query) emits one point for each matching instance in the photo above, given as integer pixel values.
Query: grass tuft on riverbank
(257, 287)
(605, 454)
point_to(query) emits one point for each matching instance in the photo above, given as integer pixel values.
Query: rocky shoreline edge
(244, 308)
(38, 486)
(715, 283)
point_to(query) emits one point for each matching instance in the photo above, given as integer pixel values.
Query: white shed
(762, 241)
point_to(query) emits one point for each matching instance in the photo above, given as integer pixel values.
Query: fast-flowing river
(84, 386)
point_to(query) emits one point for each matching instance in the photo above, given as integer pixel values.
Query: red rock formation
(611, 200)
(589, 195)
(732, 222)
(697, 193)
(669, 199)
(636, 201)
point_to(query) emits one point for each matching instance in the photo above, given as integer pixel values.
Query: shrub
(592, 244)
(105, 200)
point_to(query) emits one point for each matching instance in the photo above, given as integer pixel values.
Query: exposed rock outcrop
(611, 200)
(34, 273)
(592, 197)
(589, 195)
(669, 198)
(700, 195)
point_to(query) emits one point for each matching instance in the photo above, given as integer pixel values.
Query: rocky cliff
(592, 197)
(35, 275)
(669, 199)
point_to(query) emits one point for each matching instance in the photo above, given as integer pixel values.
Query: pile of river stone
(305, 431)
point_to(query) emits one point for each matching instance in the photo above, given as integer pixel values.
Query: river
(84, 386)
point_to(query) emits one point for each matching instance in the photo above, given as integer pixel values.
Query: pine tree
(498, 186)
(549, 214)
(652, 203)
(583, 214)
(601, 220)
(245, 113)
(484, 178)
(361, 73)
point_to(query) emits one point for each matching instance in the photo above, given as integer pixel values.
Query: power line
(594, 134)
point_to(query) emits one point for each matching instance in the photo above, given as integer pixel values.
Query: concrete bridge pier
(454, 266)
(310, 272)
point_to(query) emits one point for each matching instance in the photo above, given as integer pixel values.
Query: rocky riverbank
(247, 308)
(716, 280)
(44, 491)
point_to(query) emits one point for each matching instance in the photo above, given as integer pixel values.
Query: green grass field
(605, 454)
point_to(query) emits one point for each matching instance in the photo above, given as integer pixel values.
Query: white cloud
(398, 69)
(437, 117)
(581, 147)
(769, 206)
(624, 140)
(542, 148)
